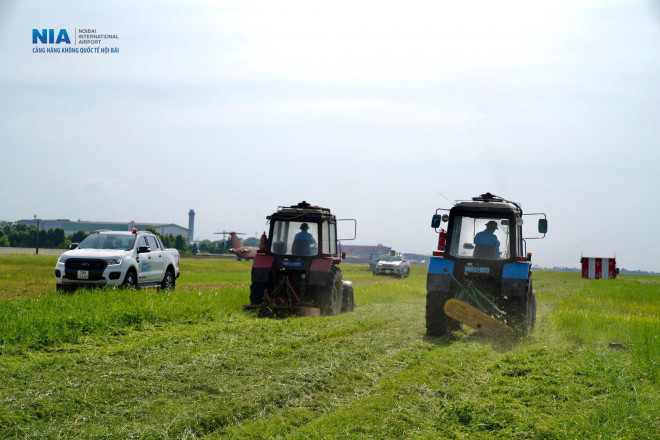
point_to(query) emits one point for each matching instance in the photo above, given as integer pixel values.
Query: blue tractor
(481, 275)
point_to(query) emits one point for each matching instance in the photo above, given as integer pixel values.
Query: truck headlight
(62, 260)
(113, 261)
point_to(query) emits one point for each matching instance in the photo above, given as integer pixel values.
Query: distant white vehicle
(393, 264)
(115, 258)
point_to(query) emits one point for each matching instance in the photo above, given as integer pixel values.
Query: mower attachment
(283, 302)
(269, 310)
(476, 319)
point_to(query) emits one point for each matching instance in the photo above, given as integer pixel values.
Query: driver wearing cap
(487, 236)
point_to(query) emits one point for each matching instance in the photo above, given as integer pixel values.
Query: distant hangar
(71, 227)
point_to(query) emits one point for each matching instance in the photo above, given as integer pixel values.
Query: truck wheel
(437, 322)
(328, 297)
(169, 281)
(130, 281)
(348, 299)
(257, 291)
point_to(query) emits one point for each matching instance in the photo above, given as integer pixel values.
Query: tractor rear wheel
(437, 321)
(521, 312)
(329, 297)
(257, 291)
(531, 309)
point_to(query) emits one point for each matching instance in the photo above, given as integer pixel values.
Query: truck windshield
(482, 238)
(108, 241)
(294, 238)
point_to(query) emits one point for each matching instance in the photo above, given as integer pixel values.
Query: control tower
(191, 226)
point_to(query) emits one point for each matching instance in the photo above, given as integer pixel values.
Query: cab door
(156, 259)
(145, 266)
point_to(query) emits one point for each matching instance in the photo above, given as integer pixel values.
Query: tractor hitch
(283, 302)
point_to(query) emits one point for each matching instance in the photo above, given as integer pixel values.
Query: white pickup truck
(115, 258)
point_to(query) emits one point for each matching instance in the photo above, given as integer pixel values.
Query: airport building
(363, 254)
(71, 227)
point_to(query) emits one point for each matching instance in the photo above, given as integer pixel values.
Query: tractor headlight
(113, 261)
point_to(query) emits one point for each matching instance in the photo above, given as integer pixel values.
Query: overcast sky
(377, 110)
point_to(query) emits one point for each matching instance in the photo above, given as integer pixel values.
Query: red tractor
(296, 269)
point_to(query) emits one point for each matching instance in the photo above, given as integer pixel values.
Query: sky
(382, 111)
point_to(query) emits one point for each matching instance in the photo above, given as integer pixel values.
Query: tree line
(18, 234)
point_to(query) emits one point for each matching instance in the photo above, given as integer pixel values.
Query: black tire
(531, 314)
(521, 312)
(329, 297)
(169, 281)
(516, 314)
(348, 298)
(257, 291)
(130, 280)
(437, 322)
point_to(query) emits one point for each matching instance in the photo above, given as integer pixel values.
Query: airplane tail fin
(234, 240)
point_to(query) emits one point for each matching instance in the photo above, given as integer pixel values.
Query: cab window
(295, 238)
(142, 242)
(153, 244)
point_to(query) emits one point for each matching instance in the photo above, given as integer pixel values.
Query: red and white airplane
(241, 252)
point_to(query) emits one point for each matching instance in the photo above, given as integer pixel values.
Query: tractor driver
(487, 237)
(305, 237)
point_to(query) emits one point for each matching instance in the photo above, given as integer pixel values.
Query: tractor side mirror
(435, 221)
(543, 226)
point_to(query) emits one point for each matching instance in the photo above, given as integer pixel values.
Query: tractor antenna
(452, 204)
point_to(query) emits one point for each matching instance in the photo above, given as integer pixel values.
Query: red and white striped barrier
(597, 268)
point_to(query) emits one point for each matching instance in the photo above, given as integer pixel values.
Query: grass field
(191, 364)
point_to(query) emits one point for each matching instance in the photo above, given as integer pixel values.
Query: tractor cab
(303, 231)
(486, 228)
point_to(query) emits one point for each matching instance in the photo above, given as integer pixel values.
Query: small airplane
(241, 252)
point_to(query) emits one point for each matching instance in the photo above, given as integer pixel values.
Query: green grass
(622, 312)
(191, 364)
(26, 276)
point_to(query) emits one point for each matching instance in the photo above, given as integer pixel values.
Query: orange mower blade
(478, 320)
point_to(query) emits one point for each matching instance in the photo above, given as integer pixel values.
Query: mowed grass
(191, 364)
